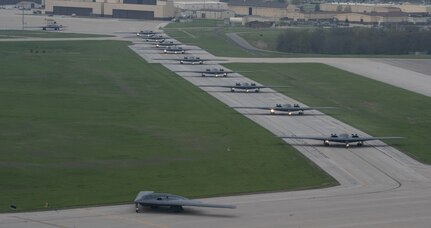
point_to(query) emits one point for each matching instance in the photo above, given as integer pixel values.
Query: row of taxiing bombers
(344, 138)
(161, 41)
(176, 203)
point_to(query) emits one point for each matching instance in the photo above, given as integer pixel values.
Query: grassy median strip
(90, 122)
(374, 107)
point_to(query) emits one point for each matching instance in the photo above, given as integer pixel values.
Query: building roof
(257, 3)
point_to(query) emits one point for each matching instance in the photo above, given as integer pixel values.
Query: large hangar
(132, 9)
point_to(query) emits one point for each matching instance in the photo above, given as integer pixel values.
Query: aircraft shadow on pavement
(186, 64)
(241, 92)
(187, 212)
(198, 76)
(338, 145)
(282, 114)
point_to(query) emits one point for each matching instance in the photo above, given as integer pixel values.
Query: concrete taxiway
(379, 185)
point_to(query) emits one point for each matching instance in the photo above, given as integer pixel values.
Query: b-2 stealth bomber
(244, 86)
(342, 138)
(289, 108)
(175, 203)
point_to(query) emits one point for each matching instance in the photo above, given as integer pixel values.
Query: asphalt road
(379, 186)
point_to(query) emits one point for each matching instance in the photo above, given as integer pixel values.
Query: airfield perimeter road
(380, 186)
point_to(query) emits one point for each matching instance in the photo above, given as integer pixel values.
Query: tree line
(355, 41)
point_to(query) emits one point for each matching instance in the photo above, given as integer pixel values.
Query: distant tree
(355, 41)
(317, 41)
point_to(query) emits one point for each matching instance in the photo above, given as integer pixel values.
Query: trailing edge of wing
(284, 108)
(192, 203)
(305, 137)
(249, 107)
(208, 72)
(380, 138)
(219, 86)
(190, 59)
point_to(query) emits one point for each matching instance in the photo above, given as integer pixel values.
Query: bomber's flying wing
(184, 48)
(47, 27)
(149, 198)
(218, 86)
(187, 202)
(203, 71)
(341, 138)
(276, 108)
(243, 86)
(305, 137)
(375, 138)
(191, 60)
(283, 108)
(211, 71)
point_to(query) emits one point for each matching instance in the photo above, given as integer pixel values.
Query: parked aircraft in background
(245, 86)
(174, 50)
(289, 108)
(146, 33)
(177, 49)
(192, 60)
(50, 25)
(342, 138)
(165, 43)
(174, 202)
(214, 72)
(155, 38)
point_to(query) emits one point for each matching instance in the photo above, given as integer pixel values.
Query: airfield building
(14, 2)
(132, 9)
(373, 17)
(258, 8)
(342, 12)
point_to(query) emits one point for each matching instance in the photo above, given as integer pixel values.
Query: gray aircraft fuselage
(174, 202)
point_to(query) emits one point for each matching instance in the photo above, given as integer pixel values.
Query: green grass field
(8, 34)
(211, 36)
(374, 107)
(213, 40)
(264, 39)
(91, 123)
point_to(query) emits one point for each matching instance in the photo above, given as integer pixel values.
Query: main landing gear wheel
(137, 208)
(176, 209)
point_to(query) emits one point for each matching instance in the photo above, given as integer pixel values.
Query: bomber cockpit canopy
(344, 135)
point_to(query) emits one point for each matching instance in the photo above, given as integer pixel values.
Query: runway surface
(379, 185)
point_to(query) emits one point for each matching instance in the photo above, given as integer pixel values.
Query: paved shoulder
(241, 42)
